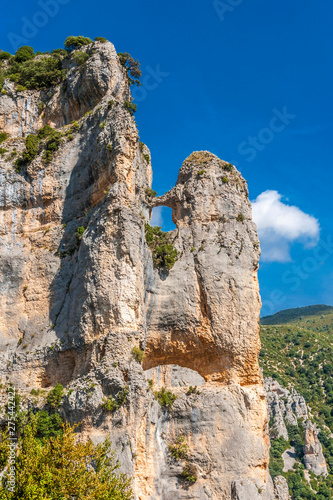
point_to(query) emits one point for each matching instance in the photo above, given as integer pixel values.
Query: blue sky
(220, 72)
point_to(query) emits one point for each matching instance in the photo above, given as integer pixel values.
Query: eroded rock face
(74, 305)
(281, 488)
(284, 407)
(204, 315)
(314, 459)
(287, 407)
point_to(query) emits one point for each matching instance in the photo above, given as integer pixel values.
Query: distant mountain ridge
(290, 315)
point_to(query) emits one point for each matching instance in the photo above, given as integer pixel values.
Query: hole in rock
(162, 216)
(174, 376)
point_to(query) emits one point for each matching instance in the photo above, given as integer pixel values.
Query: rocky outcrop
(79, 292)
(192, 315)
(314, 459)
(23, 113)
(287, 407)
(284, 407)
(281, 488)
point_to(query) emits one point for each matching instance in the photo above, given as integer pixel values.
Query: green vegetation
(225, 180)
(55, 396)
(240, 218)
(31, 72)
(112, 404)
(189, 473)
(138, 354)
(228, 167)
(193, 390)
(131, 108)
(5, 55)
(60, 52)
(73, 128)
(79, 232)
(165, 398)
(150, 193)
(295, 315)
(76, 42)
(132, 66)
(178, 449)
(3, 137)
(24, 54)
(100, 39)
(164, 253)
(150, 384)
(50, 137)
(278, 446)
(31, 148)
(48, 425)
(81, 57)
(58, 466)
(300, 353)
(201, 172)
(52, 144)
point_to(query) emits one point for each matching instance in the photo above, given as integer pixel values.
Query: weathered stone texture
(72, 307)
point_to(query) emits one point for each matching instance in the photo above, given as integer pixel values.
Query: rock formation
(314, 459)
(79, 292)
(287, 407)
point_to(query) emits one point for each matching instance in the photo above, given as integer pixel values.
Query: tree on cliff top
(133, 67)
(75, 42)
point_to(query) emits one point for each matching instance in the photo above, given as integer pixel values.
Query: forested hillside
(299, 353)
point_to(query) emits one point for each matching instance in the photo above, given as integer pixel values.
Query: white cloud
(279, 225)
(157, 218)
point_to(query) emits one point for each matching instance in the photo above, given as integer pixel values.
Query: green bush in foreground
(59, 468)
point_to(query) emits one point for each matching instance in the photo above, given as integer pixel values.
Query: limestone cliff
(79, 291)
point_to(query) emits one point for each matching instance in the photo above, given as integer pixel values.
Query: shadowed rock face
(73, 306)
